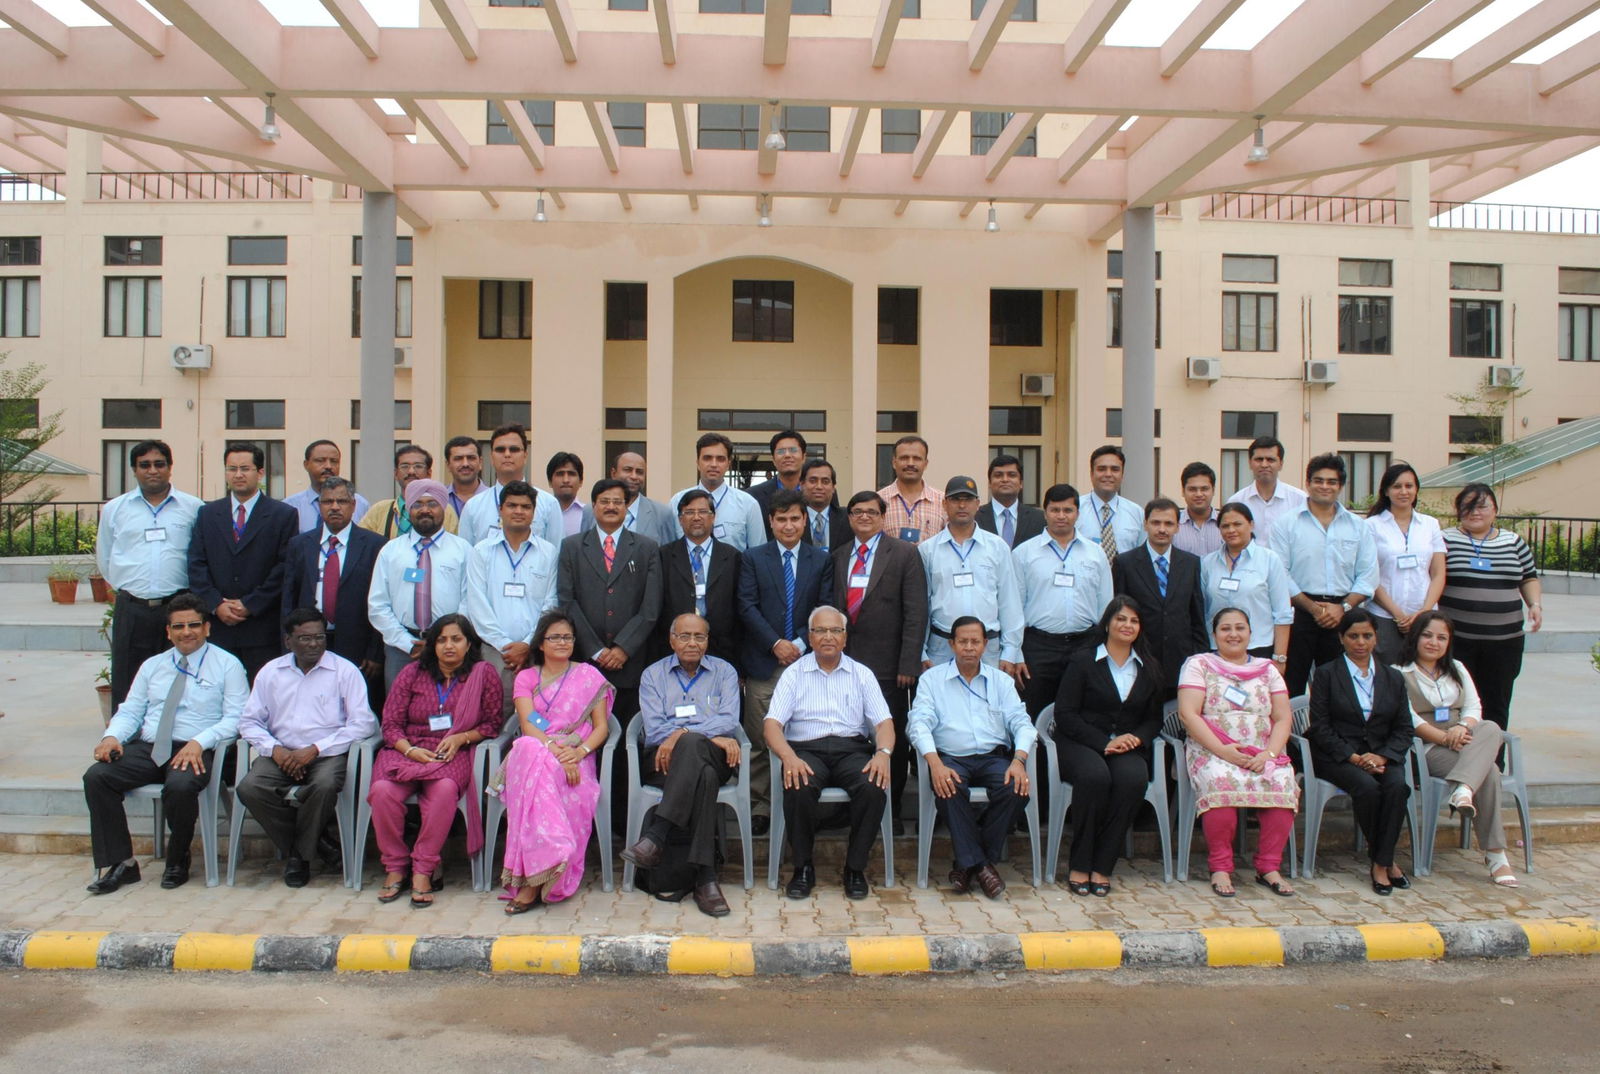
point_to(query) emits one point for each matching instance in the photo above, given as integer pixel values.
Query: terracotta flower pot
(103, 593)
(103, 691)
(64, 590)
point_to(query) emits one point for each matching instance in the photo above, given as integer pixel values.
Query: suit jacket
(1337, 729)
(248, 570)
(1089, 710)
(722, 596)
(353, 637)
(615, 607)
(653, 520)
(1173, 626)
(1030, 521)
(761, 600)
(839, 532)
(892, 621)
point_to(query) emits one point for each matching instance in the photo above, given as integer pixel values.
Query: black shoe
(855, 884)
(1401, 882)
(176, 874)
(1382, 889)
(760, 825)
(801, 883)
(645, 854)
(296, 872)
(114, 878)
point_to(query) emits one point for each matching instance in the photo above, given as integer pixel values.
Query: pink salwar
(436, 801)
(1222, 823)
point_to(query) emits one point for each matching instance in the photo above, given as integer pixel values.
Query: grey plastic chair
(210, 797)
(830, 796)
(641, 796)
(979, 796)
(1433, 791)
(494, 809)
(1317, 793)
(358, 767)
(363, 825)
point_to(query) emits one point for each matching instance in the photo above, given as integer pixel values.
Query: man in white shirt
(1066, 583)
(322, 460)
(739, 520)
(508, 453)
(418, 577)
(1268, 498)
(1113, 521)
(511, 582)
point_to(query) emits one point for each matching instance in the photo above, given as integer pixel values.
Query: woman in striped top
(1488, 577)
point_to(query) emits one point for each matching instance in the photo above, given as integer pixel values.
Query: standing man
(321, 462)
(1005, 515)
(236, 560)
(969, 572)
(564, 474)
(388, 518)
(738, 517)
(417, 578)
(1118, 523)
(511, 582)
(700, 574)
(826, 525)
(508, 452)
(646, 517)
(330, 569)
(788, 455)
(1332, 558)
(142, 551)
(1268, 498)
(916, 512)
(1066, 584)
(1165, 582)
(466, 472)
(1198, 532)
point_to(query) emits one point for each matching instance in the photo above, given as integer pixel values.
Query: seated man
(182, 704)
(307, 709)
(973, 729)
(689, 703)
(823, 708)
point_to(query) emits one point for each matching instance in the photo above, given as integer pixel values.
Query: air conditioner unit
(402, 357)
(1505, 376)
(1038, 384)
(191, 356)
(1205, 368)
(1322, 372)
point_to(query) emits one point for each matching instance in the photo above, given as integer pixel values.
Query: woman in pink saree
(551, 786)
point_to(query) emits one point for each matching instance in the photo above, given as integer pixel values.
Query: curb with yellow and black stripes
(857, 956)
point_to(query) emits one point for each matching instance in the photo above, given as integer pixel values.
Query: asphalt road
(1413, 1018)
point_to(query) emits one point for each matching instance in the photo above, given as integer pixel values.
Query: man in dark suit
(1005, 514)
(788, 454)
(1165, 581)
(885, 597)
(780, 582)
(236, 560)
(330, 569)
(700, 575)
(826, 524)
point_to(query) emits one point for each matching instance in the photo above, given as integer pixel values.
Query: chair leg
(635, 825)
(886, 834)
(493, 811)
(924, 836)
(747, 837)
(208, 831)
(1313, 834)
(775, 843)
(1032, 812)
(1056, 830)
(236, 813)
(1164, 828)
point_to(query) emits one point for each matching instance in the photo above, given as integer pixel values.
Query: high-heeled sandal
(1461, 801)
(1496, 859)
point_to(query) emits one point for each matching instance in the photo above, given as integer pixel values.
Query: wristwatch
(886, 753)
(1345, 605)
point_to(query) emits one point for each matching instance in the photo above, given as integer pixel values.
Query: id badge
(720, 532)
(1441, 714)
(1063, 580)
(1236, 697)
(1481, 563)
(154, 534)
(684, 712)
(858, 581)
(1407, 562)
(440, 722)
(538, 721)
(961, 579)
(514, 589)
(1228, 585)
(413, 575)
(910, 533)
(700, 589)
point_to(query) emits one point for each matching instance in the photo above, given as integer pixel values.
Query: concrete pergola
(1337, 87)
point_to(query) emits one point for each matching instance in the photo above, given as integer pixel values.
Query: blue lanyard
(1364, 693)
(1109, 514)
(866, 564)
(1233, 561)
(516, 563)
(423, 546)
(444, 693)
(1477, 546)
(1062, 556)
(155, 512)
(561, 684)
(963, 556)
(967, 686)
(195, 674)
(687, 686)
(715, 502)
(327, 548)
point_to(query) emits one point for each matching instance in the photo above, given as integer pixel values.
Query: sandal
(1279, 886)
(1078, 887)
(1221, 892)
(1461, 801)
(390, 892)
(1497, 860)
(1099, 890)
(420, 897)
(517, 906)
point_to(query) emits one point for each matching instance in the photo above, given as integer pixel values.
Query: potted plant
(102, 679)
(63, 580)
(103, 593)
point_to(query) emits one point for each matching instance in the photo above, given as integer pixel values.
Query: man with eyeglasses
(330, 569)
(142, 551)
(700, 575)
(788, 455)
(322, 461)
(644, 516)
(508, 454)
(739, 519)
(184, 705)
(388, 518)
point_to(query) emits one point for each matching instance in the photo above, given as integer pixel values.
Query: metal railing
(1492, 216)
(202, 186)
(1306, 208)
(31, 186)
(61, 528)
(1569, 545)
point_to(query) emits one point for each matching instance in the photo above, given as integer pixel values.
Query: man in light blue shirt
(971, 727)
(739, 521)
(970, 572)
(1116, 523)
(511, 582)
(417, 577)
(184, 705)
(322, 460)
(1066, 583)
(508, 454)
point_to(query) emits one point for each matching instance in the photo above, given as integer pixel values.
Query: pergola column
(861, 472)
(953, 381)
(568, 368)
(1139, 353)
(658, 357)
(377, 343)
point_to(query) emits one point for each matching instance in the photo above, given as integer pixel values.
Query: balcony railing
(1491, 216)
(202, 186)
(1310, 208)
(31, 186)
(60, 528)
(1570, 545)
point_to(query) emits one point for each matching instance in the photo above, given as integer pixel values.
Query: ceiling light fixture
(994, 222)
(538, 210)
(269, 124)
(1258, 149)
(774, 140)
(766, 212)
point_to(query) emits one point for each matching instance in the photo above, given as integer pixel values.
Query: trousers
(104, 784)
(980, 842)
(1378, 801)
(293, 829)
(1221, 825)
(1106, 792)
(699, 767)
(835, 762)
(436, 801)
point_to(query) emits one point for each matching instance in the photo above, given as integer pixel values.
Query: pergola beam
(1203, 22)
(666, 30)
(775, 32)
(357, 23)
(605, 135)
(1416, 34)
(1539, 23)
(883, 31)
(134, 22)
(563, 27)
(522, 129)
(1565, 68)
(854, 127)
(36, 24)
(459, 24)
(444, 131)
(1009, 142)
(680, 127)
(1089, 141)
(1097, 21)
(933, 133)
(986, 31)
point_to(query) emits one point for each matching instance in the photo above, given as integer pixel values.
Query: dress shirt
(481, 518)
(248, 505)
(960, 719)
(322, 561)
(130, 560)
(1061, 609)
(457, 503)
(1286, 500)
(1123, 675)
(325, 707)
(1406, 586)
(1363, 684)
(810, 703)
(1340, 559)
(1199, 540)
(738, 520)
(1263, 594)
(924, 514)
(390, 602)
(994, 595)
(208, 712)
(713, 691)
(571, 517)
(1443, 693)
(852, 549)
(305, 502)
(1127, 521)
(491, 566)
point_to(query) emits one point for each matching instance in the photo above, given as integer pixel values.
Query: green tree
(24, 430)
(1491, 404)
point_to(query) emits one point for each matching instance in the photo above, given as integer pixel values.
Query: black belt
(936, 632)
(148, 602)
(1327, 598)
(1036, 632)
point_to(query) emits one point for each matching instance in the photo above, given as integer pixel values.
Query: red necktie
(238, 524)
(610, 552)
(852, 599)
(330, 581)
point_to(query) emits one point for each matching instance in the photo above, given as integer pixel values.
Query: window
(272, 481)
(257, 305)
(130, 413)
(133, 306)
(1468, 277)
(1249, 268)
(1234, 471)
(627, 120)
(493, 413)
(516, 3)
(729, 126)
(402, 250)
(1364, 324)
(622, 417)
(22, 413)
(628, 5)
(1474, 328)
(1028, 455)
(1365, 272)
(1366, 428)
(805, 128)
(1025, 11)
(402, 307)
(1249, 322)
(19, 306)
(812, 7)
(911, 10)
(897, 421)
(1114, 317)
(1474, 429)
(115, 476)
(1578, 281)
(988, 126)
(1016, 318)
(130, 250)
(802, 421)
(897, 315)
(1578, 333)
(902, 127)
(626, 309)
(1249, 424)
(1114, 421)
(402, 416)
(542, 114)
(20, 251)
(505, 311)
(254, 414)
(1365, 470)
(1016, 420)
(1114, 264)
(732, 7)
(258, 250)
(763, 311)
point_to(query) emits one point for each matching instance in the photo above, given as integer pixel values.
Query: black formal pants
(1106, 792)
(1378, 801)
(138, 632)
(1494, 667)
(1310, 646)
(1046, 656)
(699, 767)
(293, 826)
(896, 697)
(980, 842)
(106, 782)
(835, 762)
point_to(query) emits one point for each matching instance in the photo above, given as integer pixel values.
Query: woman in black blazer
(1108, 711)
(1360, 733)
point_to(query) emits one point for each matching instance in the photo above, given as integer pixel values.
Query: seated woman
(1108, 711)
(1235, 708)
(551, 785)
(440, 706)
(1359, 733)
(1461, 746)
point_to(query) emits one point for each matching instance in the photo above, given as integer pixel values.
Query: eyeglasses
(308, 637)
(239, 469)
(151, 464)
(560, 639)
(412, 468)
(198, 624)
(696, 512)
(787, 451)
(827, 631)
(865, 512)
(699, 639)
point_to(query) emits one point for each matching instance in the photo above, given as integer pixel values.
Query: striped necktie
(1161, 575)
(697, 563)
(855, 594)
(1108, 536)
(788, 594)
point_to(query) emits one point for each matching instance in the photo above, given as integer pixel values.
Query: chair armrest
(1308, 768)
(632, 739)
(1158, 758)
(1046, 743)
(241, 760)
(1513, 746)
(744, 756)
(359, 759)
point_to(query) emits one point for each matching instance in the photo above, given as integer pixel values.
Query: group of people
(829, 641)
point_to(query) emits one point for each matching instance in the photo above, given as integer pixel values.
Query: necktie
(422, 595)
(852, 597)
(330, 580)
(1108, 536)
(631, 522)
(1161, 575)
(238, 523)
(788, 594)
(819, 530)
(161, 752)
(1008, 529)
(610, 552)
(697, 563)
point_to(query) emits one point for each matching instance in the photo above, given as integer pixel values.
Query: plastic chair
(979, 796)
(363, 824)
(1061, 797)
(641, 796)
(494, 809)
(210, 796)
(1317, 793)
(358, 767)
(1434, 790)
(830, 796)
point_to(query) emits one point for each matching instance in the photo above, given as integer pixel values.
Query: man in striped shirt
(916, 511)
